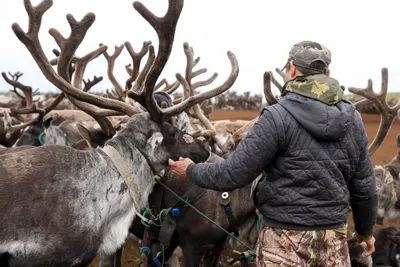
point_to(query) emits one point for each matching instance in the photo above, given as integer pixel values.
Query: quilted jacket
(315, 163)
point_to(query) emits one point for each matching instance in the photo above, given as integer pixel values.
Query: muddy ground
(382, 156)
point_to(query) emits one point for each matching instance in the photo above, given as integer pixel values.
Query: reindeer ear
(394, 238)
(47, 122)
(155, 140)
(84, 132)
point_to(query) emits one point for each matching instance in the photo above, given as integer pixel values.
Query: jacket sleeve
(252, 155)
(363, 195)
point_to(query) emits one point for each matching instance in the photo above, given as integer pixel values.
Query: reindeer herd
(79, 171)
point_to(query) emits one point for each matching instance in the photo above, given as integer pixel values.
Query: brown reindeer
(69, 205)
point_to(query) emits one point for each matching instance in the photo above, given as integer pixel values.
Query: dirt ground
(382, 156)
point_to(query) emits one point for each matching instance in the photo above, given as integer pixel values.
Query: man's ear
(329, 72)
(292, 70)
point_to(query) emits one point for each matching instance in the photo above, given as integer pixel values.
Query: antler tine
(210, 80)
(36, 92)
(280, 73)
(110, 70)
(388, 113)
(160, 84)
(269, 97)
(190, 64)
(193, 100)
(70, 45)
(172, 88)
(136, 60)
(196, 61)
(165, 28)
(137, 87)
(81, 64)
(168, 88)
(89, 84)
(15, 78)
(276, 83)
(27, 90)
(31, 41)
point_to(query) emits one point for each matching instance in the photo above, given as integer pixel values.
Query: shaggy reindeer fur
(62, 207)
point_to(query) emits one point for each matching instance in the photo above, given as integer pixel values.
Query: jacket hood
(324, 122)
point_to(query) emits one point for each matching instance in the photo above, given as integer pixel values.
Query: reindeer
(69, 205)
(387, 177)
(387, 249)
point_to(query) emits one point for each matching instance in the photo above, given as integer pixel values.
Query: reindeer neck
(134, 168)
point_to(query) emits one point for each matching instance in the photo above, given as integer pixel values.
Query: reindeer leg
(117, 258)
(4, 259)
(211, 257)
(192, 257)
(107, 260)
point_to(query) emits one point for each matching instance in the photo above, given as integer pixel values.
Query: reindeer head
(386, 193)
(387, 244)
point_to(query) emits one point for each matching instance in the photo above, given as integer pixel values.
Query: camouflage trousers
(328, 248)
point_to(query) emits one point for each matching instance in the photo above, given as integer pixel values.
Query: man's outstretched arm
(243, 166)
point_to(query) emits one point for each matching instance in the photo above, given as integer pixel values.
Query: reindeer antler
(269, 97)
(136, 60)
(27, 90)
(189, 92)
(110, 71)
(89, 84)
(31, 41)
(33, 109)
(168, 88)
(388, 114)
(165, 28)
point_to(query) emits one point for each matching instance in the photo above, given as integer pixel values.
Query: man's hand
(178, 168)
(370, 245)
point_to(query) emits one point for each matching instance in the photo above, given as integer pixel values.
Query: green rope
(251, 251)
(160, 215)
(40, 137)
(145, 213)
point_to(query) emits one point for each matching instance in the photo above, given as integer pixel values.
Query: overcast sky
(362, 35)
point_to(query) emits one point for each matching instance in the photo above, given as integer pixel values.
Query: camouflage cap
(306, 52)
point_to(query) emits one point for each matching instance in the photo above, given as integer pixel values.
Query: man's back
(309, 184)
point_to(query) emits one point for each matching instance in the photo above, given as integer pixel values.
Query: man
(312, 150)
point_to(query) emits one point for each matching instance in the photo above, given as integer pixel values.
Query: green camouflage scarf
(319, 87)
